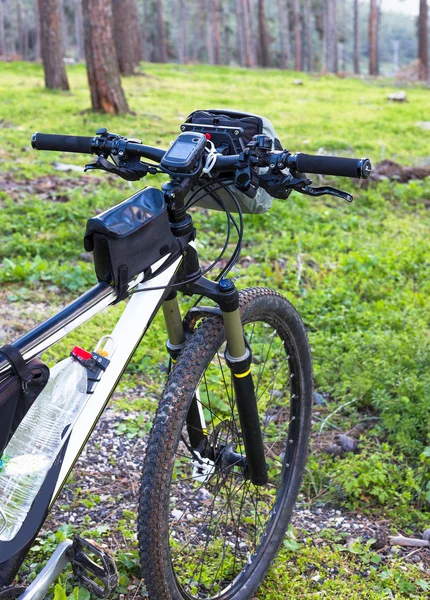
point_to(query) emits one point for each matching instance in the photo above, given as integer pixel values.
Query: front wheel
(205, 530)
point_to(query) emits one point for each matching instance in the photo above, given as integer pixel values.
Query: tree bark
(2, 31)
(239, 33)
(137, 33)
(252, 35)
(161, 30)
(373, 38)
(282, 36)
(264, 38)
(246, 34)
(51, 45)
(215, 32)
(79, 33)
(298, 63)
(332, 50)
(37, 27)
(308, 25)
(107, 94)
(423, 58)
(356, 38)
(126, 38)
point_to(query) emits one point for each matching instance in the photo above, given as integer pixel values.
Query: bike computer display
(184, 152)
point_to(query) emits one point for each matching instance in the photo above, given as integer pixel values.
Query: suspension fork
(196, 424)
(238, 357)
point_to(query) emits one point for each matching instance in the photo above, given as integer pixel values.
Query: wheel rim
(219, 522)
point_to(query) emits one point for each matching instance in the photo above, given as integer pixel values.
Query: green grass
(358, 274)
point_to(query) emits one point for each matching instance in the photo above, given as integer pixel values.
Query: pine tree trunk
(332, 50)
(224, 38)
(51, 45)
(63, 26)
(79, 33)
(19, 27)
(161, 30)
(264, 39)
(239, 33)
(124, 30)
(356, 38)
(298, 64)
(216, 46)
(246, 34)
(373, 38)
(423, 58)
(282, 36)
(37, 25)
(308, 25)
(287, 31)
(137, 33)
(2, 31)
(102, 63)
(252, 36)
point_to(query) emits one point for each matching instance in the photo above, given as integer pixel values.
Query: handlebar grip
(62, 143)
(331, 165)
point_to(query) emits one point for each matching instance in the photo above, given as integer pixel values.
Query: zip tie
(210, 159)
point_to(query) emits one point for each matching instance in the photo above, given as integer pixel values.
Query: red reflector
(208, 136)
(81, 353)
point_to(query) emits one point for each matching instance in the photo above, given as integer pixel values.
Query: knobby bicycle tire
(204, 530)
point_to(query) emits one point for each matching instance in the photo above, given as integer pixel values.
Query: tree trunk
(2, 31)
(308, 25)
(282, 36)
(102, 63)
(239, 33)
(252, 36)
(423, 65)
(79, 34)
(264, 40)
(356, 38)
(37, 21)
(51, 45)
(373, 38)
(161, 30)
(137, 33)
(245, 24)
(124, 29)
(215, 32)
(332, 50)
(20, 45)
(297, 37)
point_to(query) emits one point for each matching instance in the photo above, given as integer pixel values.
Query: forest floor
(358, 274)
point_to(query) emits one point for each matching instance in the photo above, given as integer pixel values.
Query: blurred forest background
(335, 36)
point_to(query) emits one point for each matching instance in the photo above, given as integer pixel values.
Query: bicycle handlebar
(330, 165)
(62, 143)
(302, 163)
(93, 145)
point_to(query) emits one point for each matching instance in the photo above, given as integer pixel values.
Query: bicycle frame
(128, 333)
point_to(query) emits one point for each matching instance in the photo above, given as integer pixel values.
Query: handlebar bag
(251, 125)
(129, 238)
(18, 390)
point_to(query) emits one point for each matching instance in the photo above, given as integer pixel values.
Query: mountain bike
(229, 440)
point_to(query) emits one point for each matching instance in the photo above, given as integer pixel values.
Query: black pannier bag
(18, 391)
(251, 125)
(130, 237)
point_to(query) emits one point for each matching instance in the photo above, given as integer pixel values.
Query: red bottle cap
(81, 353)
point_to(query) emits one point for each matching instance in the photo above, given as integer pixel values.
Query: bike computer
(184, 152)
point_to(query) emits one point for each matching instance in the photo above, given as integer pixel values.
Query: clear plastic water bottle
(37, 441)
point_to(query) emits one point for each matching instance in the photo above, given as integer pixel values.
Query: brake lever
(321, 191)
(138, 171)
